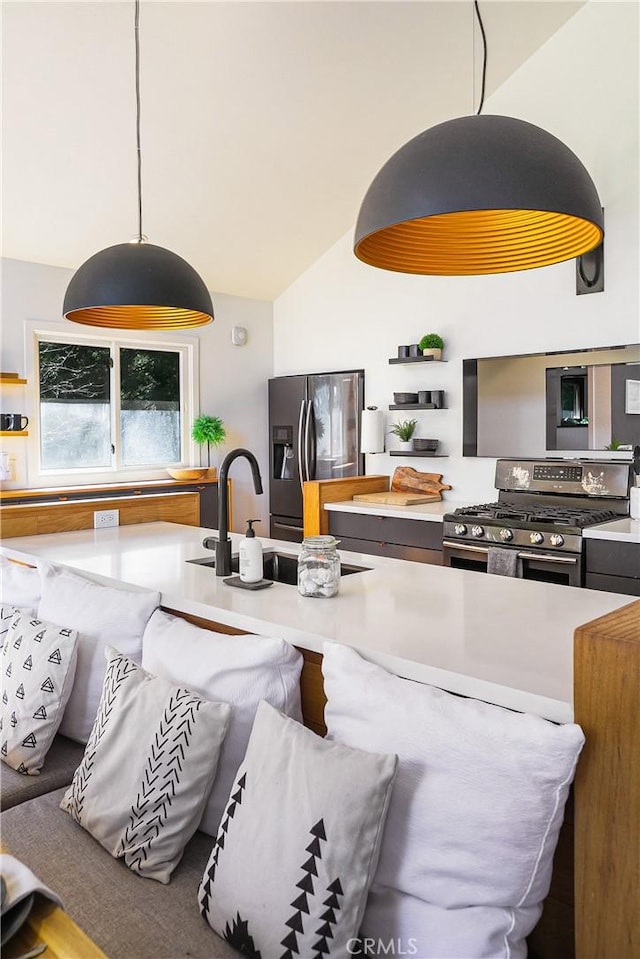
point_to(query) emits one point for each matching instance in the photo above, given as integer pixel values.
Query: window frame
(188, 349)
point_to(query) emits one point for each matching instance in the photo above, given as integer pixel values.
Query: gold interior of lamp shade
(139, 317)
(478, 242)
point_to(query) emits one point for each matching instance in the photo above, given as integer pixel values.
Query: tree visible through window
(149, 407)
(102, 414)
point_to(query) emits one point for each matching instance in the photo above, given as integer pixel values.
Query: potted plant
(209, 430)
(404, 430)
(431, 345)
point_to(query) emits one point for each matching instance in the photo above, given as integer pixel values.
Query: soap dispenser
(250, 555)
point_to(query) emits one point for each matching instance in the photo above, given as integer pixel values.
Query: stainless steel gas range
(542, 508)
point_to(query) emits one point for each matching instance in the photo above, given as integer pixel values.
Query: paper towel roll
(372, 436)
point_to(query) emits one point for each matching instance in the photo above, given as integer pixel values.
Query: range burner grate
(539, 515)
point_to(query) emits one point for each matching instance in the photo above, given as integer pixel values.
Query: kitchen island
(506, 641)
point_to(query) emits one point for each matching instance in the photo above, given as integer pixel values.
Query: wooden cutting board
(407, 480)
(397, 499)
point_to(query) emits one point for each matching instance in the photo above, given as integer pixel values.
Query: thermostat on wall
(238, 335)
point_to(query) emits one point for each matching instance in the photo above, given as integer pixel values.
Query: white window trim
(188, 348)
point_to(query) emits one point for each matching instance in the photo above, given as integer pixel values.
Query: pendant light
(477, 195)
(138, 286)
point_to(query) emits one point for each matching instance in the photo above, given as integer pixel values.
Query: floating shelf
(14, 433)
(416, 406)
(432, 456)
(414, 359)
(12, 381)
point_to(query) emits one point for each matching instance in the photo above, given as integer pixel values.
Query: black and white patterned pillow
(38, 667)
(298, 845)
(147, 768)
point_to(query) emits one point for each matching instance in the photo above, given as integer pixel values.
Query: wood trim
(12, 381)
(148, 486)
(36, 519)
(607, 786)
(318, 492)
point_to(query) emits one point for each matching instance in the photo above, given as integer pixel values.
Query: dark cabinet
(613, 565)
(417, 540)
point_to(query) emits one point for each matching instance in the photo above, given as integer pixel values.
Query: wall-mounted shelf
(431, 456)
(12, 381)
(14, 433)
(414, 359)
(416, 406)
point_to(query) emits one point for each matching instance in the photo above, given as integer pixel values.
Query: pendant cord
(139, 150)
(484, 56)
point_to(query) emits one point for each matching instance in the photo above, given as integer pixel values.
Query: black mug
(13, 422)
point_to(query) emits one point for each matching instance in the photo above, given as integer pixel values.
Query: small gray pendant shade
(137, 286)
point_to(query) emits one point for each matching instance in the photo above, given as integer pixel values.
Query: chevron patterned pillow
(38, 666)
(147, 768)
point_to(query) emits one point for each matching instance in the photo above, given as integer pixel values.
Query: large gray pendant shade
(475, 195)
(137, 286)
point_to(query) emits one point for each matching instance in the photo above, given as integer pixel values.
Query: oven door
(565, 569)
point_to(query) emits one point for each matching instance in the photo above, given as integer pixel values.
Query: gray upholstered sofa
(127, 916)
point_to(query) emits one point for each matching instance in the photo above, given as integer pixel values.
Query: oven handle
(569, 560)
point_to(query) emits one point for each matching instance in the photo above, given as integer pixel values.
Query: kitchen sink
(279, 567)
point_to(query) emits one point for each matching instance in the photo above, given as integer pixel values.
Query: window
(111, 404)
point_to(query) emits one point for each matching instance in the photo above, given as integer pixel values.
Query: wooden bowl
(194, 473)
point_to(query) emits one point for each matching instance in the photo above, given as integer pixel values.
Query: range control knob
(556, 539)
(460, 529)
(477, 531)
(536, 538)
(506, 535)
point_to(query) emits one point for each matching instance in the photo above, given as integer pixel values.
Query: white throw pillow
(104, 616)
(296, 851)
(474, 819)
(239, 670)
(7, 612)
(147, 768)
(38, 666)
(19, 584)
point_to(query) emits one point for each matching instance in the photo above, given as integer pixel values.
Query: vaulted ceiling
(262, 123)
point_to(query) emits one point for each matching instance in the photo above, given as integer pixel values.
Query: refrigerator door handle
(300, 442)
(308, 438)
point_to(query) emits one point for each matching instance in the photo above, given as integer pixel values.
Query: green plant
(404, 430)
(432, 341)
(209, 430)
(614, 445)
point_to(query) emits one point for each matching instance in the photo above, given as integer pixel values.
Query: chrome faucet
(223, 543)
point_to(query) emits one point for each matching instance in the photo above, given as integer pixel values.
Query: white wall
(582, 86)
(233, 379)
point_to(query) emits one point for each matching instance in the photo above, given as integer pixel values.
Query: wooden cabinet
(419, 541)
(159, 500)
(613, 565)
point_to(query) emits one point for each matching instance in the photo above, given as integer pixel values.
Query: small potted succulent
(209, 430)
(431, 345)
(404, 430)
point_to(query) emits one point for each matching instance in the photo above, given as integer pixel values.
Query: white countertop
(626, 530)
(504, 640)
(433, 512)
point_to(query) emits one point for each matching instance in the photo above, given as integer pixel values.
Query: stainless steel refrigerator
(314, 433)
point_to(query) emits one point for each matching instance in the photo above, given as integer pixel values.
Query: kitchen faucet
(223, 543)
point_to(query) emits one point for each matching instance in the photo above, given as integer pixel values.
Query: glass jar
(319, 567)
